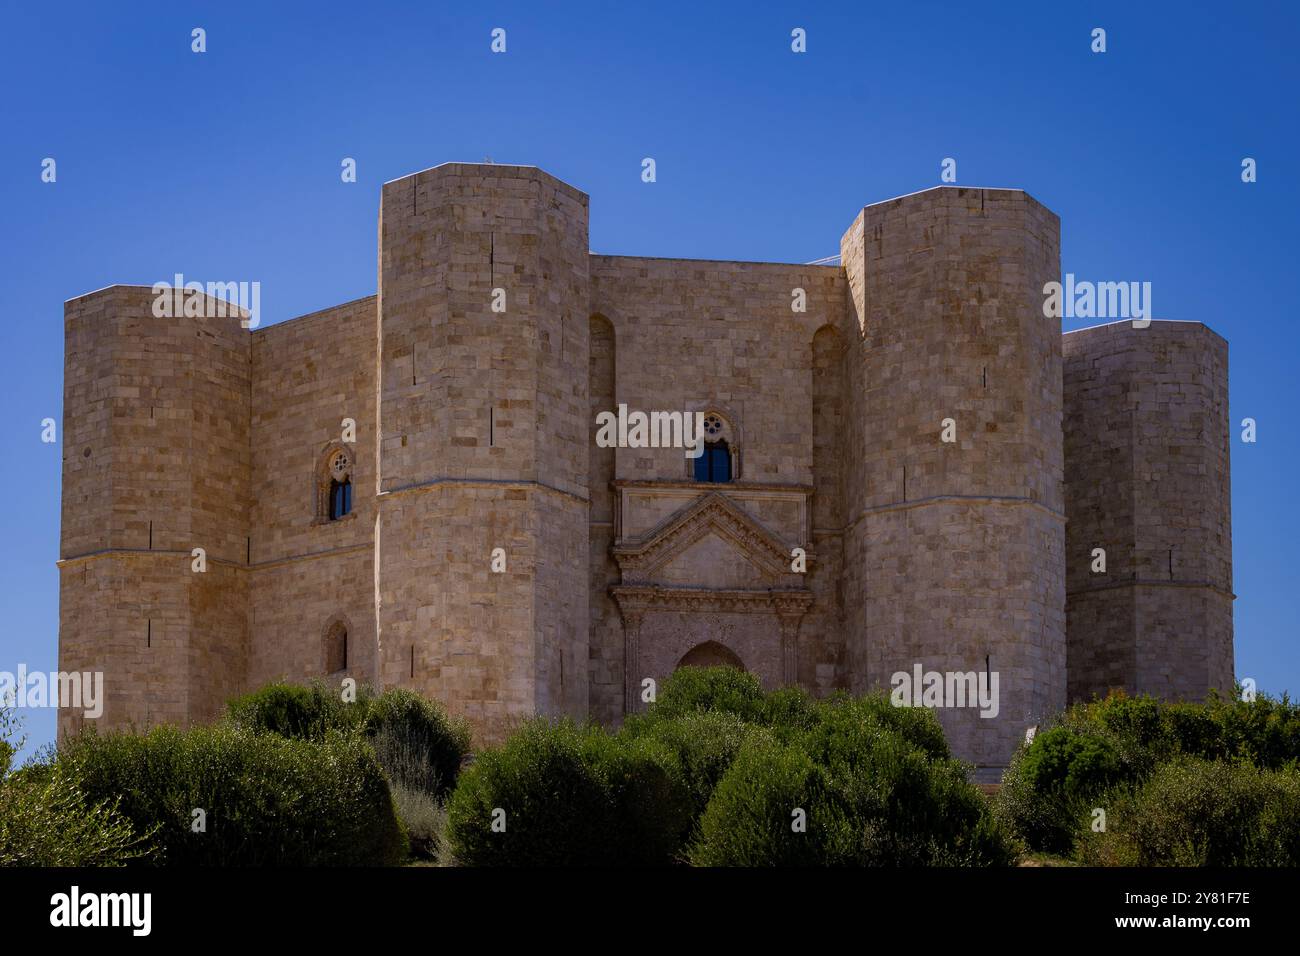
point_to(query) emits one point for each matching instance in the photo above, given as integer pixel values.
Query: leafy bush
(569, 795)
(539, 787)
(918, 726)
(266, 799)
(714, 772)
(908, 802)
(416, 742)
(424, 820)
(695, 689)
(299, 712)
(1195, 730)
(1070, 765)
(1050, 785)
(652, 801)
(750, 821)
(1103, 752)
(11, 738)
(788, 711)
(871, 799)
(1265, 731)
(45, 820)
(871, 796)
(1040, 821)
(1145, 732)
(704, 744)
(1194, 812)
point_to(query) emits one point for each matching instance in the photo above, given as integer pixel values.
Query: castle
(906, 465)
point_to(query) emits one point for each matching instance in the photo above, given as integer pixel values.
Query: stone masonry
(1147, 424)
(496, 558)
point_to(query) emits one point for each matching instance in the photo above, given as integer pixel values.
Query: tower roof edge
(504, 168)
(960, 189)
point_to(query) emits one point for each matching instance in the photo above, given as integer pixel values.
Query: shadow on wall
(710, 654)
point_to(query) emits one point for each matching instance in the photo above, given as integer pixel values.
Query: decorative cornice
(638, 599)
(703, 486)
(1154, 583)
(504, 483)
(211, 558)
(639, 559)
(959, 500)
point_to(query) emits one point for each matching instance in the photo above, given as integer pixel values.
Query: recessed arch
(711, 654)
(602, 366)
(828, 429)
(335, 645)
(334, 482)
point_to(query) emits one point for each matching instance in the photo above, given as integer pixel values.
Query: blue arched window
(334, 485)
(340, 498)
(715, 464)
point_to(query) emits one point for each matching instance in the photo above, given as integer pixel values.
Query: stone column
(790, 617)
(632, 619)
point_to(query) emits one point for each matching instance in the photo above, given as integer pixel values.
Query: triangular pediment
(710, 543)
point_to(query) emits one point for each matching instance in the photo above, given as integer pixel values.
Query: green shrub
(416, 742)
(45, 820)
(1040, 821)
(1194, 730)
(870, 798)
(918, 726)
(905, 806)
(1051, 784)
(267, 800)
(788, 711)
(12, 738)
(1133, 720)
(750, 821)
(704, 744)
(651, 799)
(424, 820)
(540, 790)
(1264, 731)
(1145, 732)
(694, 689)
(1063, 763)
(570, 795)
(300, 712)
(713, 774)
(1194, 812)
(1107, 749)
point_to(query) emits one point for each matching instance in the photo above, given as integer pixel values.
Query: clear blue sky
(225, 165)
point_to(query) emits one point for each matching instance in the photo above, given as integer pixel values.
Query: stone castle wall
(307, 572)
(724, 337)
(954, 549)
(475, 430)
(483, 441)
(156, 463)
(1146, 436)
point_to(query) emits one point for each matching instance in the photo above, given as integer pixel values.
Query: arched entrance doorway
(710, 654)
